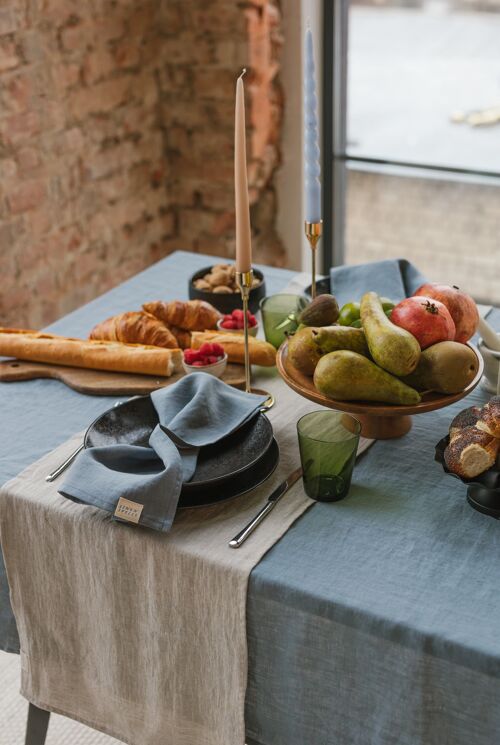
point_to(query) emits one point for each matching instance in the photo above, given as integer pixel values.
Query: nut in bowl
(209, 358)
(234, 323)
(225, 296)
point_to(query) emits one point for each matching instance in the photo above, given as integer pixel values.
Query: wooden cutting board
(99, 382)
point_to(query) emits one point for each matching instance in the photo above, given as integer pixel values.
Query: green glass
(328, 442)
(280, 316)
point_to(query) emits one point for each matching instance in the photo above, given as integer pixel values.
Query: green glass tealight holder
(328, 443)
(280, 316)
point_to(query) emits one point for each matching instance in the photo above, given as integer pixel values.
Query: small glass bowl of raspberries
(209, 358)
(233, 322)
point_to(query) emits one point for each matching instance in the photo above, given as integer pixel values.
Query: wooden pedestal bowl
(378, 421)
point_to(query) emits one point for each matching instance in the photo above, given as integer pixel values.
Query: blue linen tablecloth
(375, 620)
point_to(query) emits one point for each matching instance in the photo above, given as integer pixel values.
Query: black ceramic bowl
(483, 491)
(227, 303)
(322, 287)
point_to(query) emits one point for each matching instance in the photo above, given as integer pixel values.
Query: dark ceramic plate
(483, 491)
(133, 421)
(234, 486)
(227, 303)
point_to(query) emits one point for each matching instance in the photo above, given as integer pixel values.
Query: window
(412, 125)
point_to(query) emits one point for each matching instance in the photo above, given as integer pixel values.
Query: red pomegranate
(428, 320)
(462, 308)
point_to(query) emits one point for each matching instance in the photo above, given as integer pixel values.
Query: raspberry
(206, 349)
(217, 350)
(190, 355)
(237, 313)
(198, 363)
(212, 360)
(228, 324)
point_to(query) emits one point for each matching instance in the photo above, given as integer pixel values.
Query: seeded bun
(489, 419)
(471, 453)
(466, 418)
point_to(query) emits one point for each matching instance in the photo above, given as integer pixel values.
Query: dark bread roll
(471, 453)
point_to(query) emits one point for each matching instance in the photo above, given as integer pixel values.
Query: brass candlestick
(313, 232)
(244, 281)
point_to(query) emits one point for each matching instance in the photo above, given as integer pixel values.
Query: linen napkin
(142, 485)
(391, 278)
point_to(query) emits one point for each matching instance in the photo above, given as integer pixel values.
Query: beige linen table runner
(139, 634)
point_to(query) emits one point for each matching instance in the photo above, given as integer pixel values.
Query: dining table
(374, 620)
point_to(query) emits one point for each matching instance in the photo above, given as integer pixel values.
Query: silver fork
(69, 460)
(64, 465)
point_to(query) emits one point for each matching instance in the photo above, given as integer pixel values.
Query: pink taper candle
(243, 235)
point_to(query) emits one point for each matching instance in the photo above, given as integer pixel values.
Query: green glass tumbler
(328, 443)
(280, 316)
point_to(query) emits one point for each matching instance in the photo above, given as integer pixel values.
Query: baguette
(96, 355)
(261, 352)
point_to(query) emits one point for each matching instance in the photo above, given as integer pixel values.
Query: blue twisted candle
(311, 147)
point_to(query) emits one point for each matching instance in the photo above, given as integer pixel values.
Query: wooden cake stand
(378, 421)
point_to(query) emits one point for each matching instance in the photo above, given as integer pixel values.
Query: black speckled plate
(234, 486)
(233, 457)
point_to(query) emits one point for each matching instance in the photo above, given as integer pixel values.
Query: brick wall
(197, 98)
(116, 141)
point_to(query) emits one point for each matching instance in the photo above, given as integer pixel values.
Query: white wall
(297, 15)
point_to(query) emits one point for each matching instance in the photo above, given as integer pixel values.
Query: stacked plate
(233, 466)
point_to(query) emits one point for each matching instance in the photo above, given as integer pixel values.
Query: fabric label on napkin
(128, 510)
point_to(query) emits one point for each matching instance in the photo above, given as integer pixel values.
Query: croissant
(183, 337)
(135, 327)
(193, 315)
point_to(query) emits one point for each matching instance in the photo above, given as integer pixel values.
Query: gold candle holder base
(244, 280)
(313, 232)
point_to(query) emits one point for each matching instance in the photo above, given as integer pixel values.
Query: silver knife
(273, 499)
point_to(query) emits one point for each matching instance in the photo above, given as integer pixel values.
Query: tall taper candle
(243, 235)
(311, 147)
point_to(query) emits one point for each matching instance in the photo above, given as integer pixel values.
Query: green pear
(446, 367)
(302, 350)
(393, 348)
(331, 338)
(349, 376)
